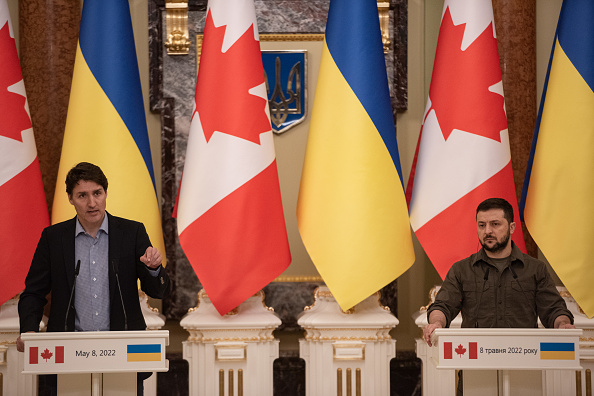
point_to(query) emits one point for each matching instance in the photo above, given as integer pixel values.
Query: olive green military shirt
(500, 298)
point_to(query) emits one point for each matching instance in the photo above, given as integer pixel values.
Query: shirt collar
(516, 254)
(104, 226)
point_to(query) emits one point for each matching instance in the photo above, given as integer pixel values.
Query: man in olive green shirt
(499, 286)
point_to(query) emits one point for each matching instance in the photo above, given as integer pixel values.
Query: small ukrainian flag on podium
(144, 353)
(557, 351)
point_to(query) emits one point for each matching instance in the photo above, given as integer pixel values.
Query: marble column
(515, 23)
(48, 32)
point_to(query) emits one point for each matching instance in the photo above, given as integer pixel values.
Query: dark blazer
(52, 270)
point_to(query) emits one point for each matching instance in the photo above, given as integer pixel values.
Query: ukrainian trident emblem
(286, 83)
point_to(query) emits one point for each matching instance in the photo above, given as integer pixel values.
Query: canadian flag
(460, 350)
(23, 208)
(46, 355)
(463, 155)
(229, 213)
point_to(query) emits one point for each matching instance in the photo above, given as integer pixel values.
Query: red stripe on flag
(472, 350)
(21, 194)
(450, 247)
(59, 354)
(447, 350)
(239, 245)
(33, 355)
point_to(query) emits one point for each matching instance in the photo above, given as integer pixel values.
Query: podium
(498, 361)
(95, 363)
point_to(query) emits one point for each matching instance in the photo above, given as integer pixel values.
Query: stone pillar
(231, 354)
(48, 36)
(515, 24)
(347, 353)
(11, 361)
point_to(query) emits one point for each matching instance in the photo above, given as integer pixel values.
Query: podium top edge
(506, 331)
(95, 335)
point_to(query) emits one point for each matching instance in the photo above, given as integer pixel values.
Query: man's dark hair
(85, 171)
(497, 203)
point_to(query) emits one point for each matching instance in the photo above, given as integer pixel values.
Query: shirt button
(93, 262)
(94, 279)
(96, 313)
(95, 296)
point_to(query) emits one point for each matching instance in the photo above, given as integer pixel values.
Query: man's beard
(498, 246)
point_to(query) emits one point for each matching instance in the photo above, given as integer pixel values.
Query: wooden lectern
(505, 361)
(96, 362)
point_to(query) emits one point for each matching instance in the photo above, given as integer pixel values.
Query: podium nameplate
(506, 349)
(95, 352)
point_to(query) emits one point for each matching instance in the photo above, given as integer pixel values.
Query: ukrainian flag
(559, 185)
(144, 353)
(557, 351)
(106, 124)
(351, 211)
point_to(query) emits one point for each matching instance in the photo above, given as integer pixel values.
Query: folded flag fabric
(558, 188)
(106, 124)
(351, 210)
(463, 155)
(229, 212)
(23, 208)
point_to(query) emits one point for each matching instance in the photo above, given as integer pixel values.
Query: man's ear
(512, 227)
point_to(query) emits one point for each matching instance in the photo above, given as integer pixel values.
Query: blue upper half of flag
(557, 346)
(144, 348)
(106, 40)
(575, 32)
(353, 38)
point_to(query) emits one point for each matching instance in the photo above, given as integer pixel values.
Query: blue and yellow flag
(106, 124)
(559, 185)
(351, 211)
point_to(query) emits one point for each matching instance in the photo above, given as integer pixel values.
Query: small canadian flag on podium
(48, 356)
(462, 350)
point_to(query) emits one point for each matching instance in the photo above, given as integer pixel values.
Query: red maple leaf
(224, 79)
(47, 354)
(460, 350)
(460, 83)
(14, 117)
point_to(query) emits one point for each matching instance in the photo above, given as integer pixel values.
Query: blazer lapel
(68, 249)
(115, 237)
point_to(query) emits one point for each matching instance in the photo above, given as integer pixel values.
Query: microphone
(76, 270)
(115, 270)
(515, 276)
(485, 278)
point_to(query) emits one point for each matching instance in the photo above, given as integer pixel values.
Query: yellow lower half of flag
(558, 210)
(557, 355)
(351, 212)
(144, 357)
(96, 133)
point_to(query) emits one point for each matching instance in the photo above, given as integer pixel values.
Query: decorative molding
(310, 337)
(176, 20)
(383, 9)
(292, 37)
(310, 279)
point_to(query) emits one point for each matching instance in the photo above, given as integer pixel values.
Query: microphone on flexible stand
(76, 270)
(515, 276)
(485, 278)
(115, 270)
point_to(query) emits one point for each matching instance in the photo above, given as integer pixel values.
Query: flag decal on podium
(144, 353)
(48, 356)
(460, 350)
(557, 351)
